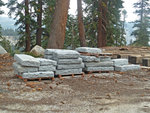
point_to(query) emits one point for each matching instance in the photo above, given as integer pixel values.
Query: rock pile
(94, 62)
(29, 67)
(68, 61)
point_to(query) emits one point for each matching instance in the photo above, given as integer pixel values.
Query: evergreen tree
(39, 19)
(124, 13)
(22, 12)
(108, 12)
(1, 12)
(81, 24)
(142, 25)
(58, 27)
(1, 4)
(72, 34)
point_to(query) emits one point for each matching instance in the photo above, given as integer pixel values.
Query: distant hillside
(9, 32)
(7, 23)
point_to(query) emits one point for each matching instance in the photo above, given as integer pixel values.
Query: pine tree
(142, 25)
(72, 34)
(1, 4)
(104, 15)
(81, 24)
(123, 39)
(1, 12)
(22, 12)
(58, 27)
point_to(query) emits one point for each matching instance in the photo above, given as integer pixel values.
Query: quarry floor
(127, 92)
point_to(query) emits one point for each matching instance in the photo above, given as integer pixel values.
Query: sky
(128, 6)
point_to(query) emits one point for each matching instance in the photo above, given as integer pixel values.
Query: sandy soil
(102, 93)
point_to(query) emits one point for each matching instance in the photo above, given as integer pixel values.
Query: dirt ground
(127, 92)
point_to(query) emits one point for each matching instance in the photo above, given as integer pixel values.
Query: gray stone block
(47, 68)
(124, 68)
(90, 58)
(105, 58)
(44, 62)
(99, 64)
(120, 62)
(23, 69)
(70, 66)
(89, 50)
(99, 69)
(69, 61)
(48, 56)
(38, 75)
(26, 60)
(68, 71)
(66, 54)
(50, 51)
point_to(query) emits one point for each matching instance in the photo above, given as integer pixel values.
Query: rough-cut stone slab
(68, 71)
(89, 50)
(38, 75)
(47, 68)
(99, 69)
(23, 69)
(105, 58)
(69, 66)
(44, 62)
(48, 56)
(99, 64)
(124, 68)
(64, 54)
(69, 61)
(120, 62)
(90, 58)
(50, 51)
(146, 62)
(26, 60)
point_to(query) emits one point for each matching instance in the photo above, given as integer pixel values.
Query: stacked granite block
(68, 61)
(122, 65)
(94, 62)
(49, 53)
(29, 67)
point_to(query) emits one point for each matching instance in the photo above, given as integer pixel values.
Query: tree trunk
(27, 26)
(104, 24)
(58, 27)
(99, 36)
(80, 24)
(39, 22)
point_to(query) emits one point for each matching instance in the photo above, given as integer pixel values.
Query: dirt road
(102, 93)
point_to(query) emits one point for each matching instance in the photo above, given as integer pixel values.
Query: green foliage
(1, 4)
(18, 9)
(114, 25)
(5, 44)
(72, 35)
(142, 25)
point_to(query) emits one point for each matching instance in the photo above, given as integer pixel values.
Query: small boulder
(38, 50)
(2, 50)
